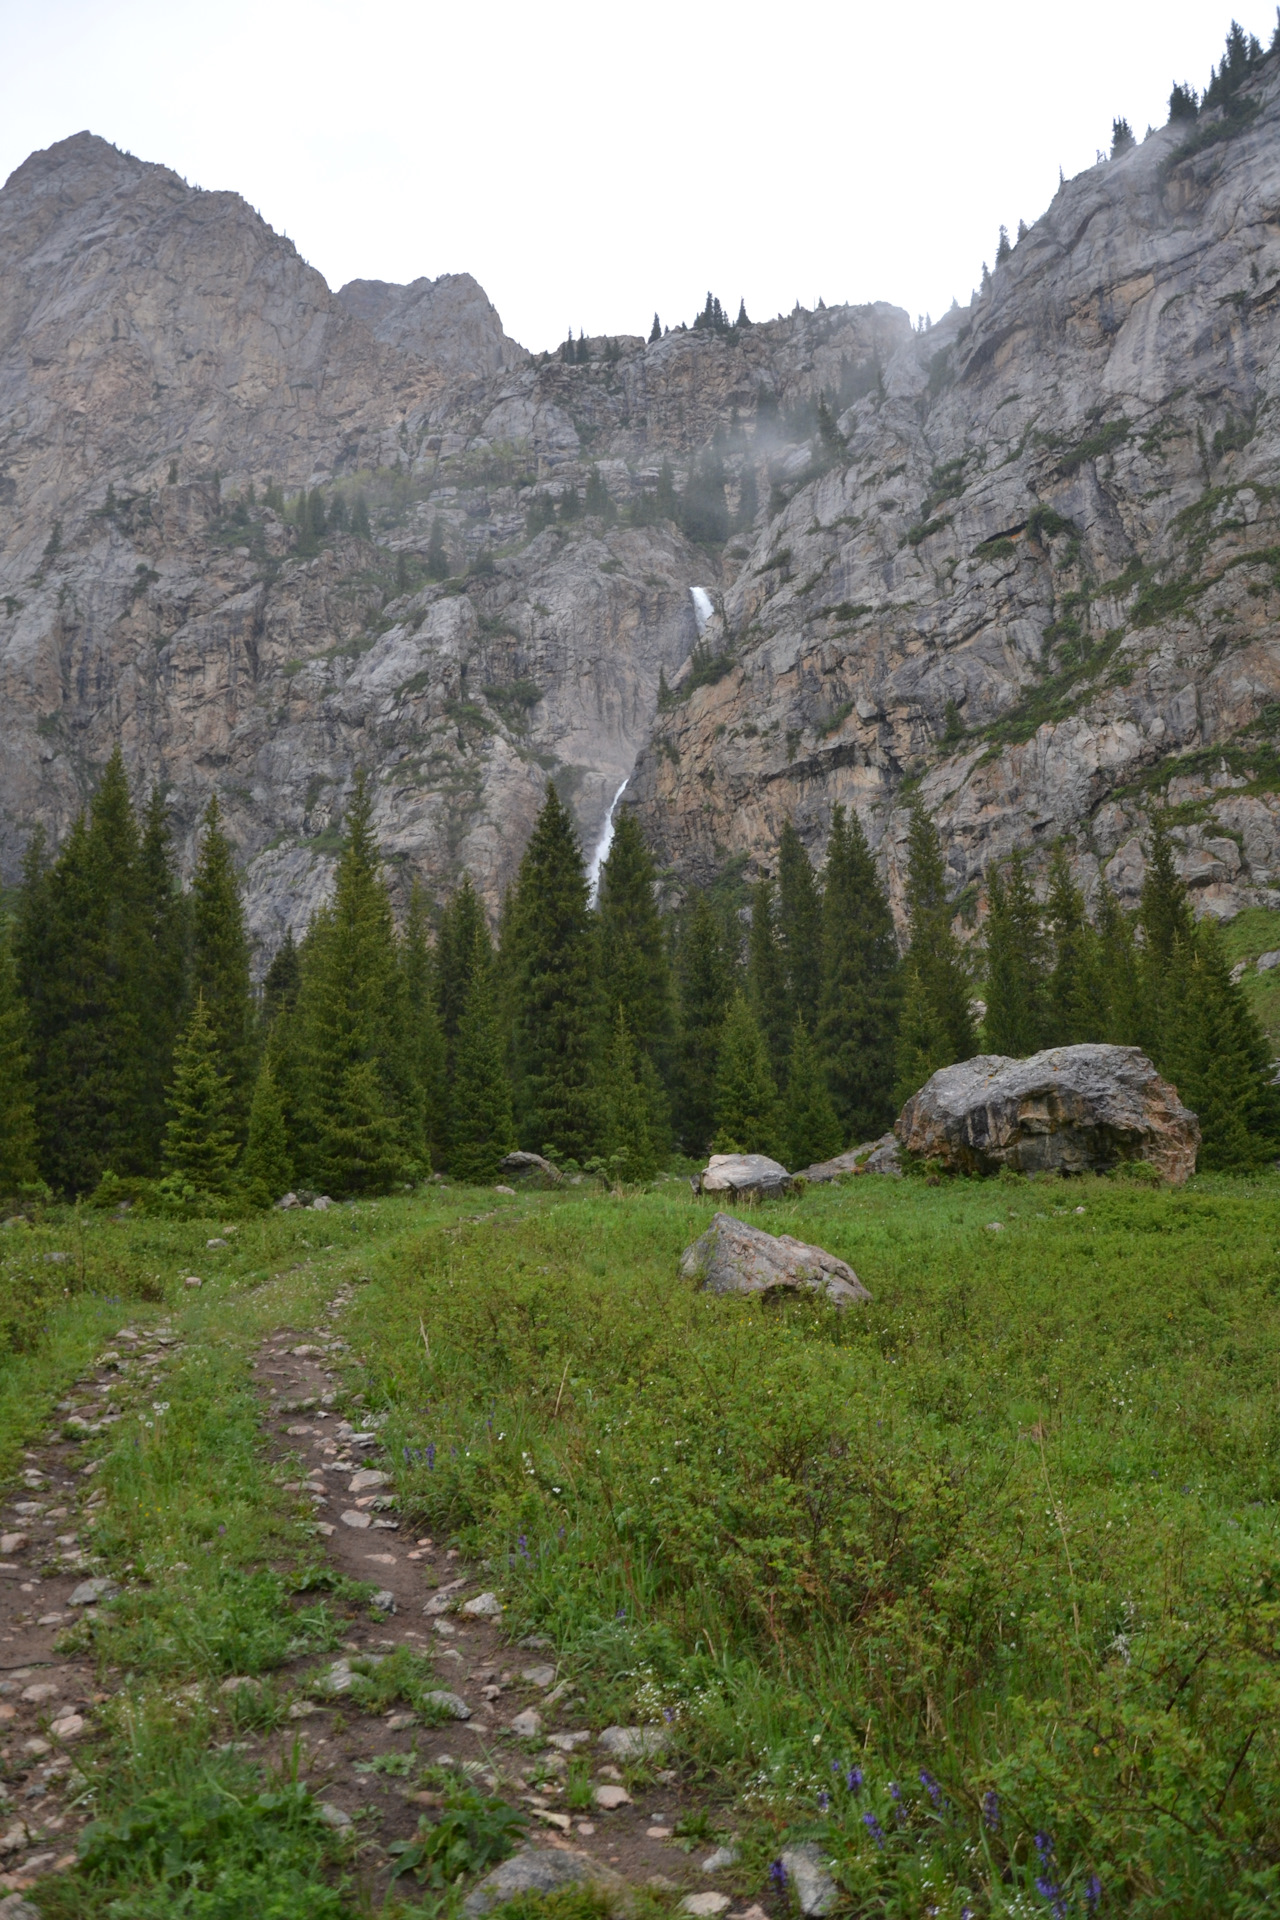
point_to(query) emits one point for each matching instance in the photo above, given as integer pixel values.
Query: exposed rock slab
(538, 1870)
(1067, 1110)
(873, 1156)
(751, 1173)
(733, 1257)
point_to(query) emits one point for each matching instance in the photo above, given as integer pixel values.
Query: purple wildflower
(991, 1810)
(895, 1794)
(931, 1787)
(824, 1802)
(523, 1544)
(1092, 1892)
(874, 1828)
(778, 1875)
(854, 1780)
(431, 1456)
(1053, 1895)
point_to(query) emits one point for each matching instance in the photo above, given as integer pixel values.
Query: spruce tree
(1115, 988)
(481, 1128)
(937, 1027)
(165, 919)
(1015, 1019)
(548, 967)
(220, 959)
(266, 1169)
(861, 984)
(746, 1094)
(281, 981)
(462, 936)
(1166, 920)
(199, 1141)
(811, 1129)
(704, 974)
(630, 1150)
(360, 1104)
(1218, 1057)
(424, 1038)
(360, 519)
(799, 927)
(766, 978)
(666, 501)
(1072, 1013)
(634, 969)
(18, 1168)
(655, 331)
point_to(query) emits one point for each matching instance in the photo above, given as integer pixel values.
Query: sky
(593, 165)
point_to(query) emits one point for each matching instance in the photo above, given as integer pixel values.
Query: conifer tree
(423, 1038)
(748, 500)
(570, 506)
(634, 969)
(666, 501)
(1218, 1057)
(704, 513)
(1015, 1018)
(860, 984)
(547, 962)
(463, 935)
(630, 1151)
(18, 1168)
(811, 1129)
(481, 1128)
(1072, 1013)
(360, 1104)
(165, 919)
(742, 320)
(704, 972)
(266, 1170)
(746, 1094)
(655, 331)
(1115, 988)
(799, 927)
(281, 981)
(220, 959)
(1164, 914)
(360, 519)
(766, 978)
(596, 501)
(199, 1141)
(937, 1027)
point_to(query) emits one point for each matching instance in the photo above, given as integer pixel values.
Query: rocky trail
(601, 1805)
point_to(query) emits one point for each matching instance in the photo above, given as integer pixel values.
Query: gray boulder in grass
(733, 1257)
(539, 1870)
(1066, 1110)
(747, 1173)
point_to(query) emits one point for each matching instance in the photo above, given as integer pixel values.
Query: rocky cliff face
(1024, 563)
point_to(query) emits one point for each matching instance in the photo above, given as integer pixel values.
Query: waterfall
(702, 607)
(602, 846)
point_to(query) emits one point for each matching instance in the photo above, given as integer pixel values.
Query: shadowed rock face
(1031, 567)
(1067, 1110)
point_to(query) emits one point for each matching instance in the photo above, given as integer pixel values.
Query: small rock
(217, 1241)
(609, 1799)
(14, 1907)
(367, 1481)
(541, 1870)
(537, 1676)
(485, 1606)
(445, 1627)
(51, 1619)
(995, 1226)
(526, 1725)
(657, 1833)
(705, 1906)
(1266, 961)
(303, 1709)
(238, 1682)
(193, 1280)
(399, 1721)
(722, 1857)
(561, 1821)
(13, 1542)
(287, 1201)
(305, 1352)
(43, 1690)
(810, 1878)
(37, 1748)
(89, 1592)
(567, 1742)
(68, 1727)
(502, 1189)
(633, 1743)
(384, 1601)
(332, 1816)
(446, 1702)
(325, 1527)
(321, 1204)
(357, 1520)
(295, 1432)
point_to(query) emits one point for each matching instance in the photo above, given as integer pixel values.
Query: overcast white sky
(590, 164)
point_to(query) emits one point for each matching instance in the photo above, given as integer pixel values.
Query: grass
(977, 1587)
(1255, 931)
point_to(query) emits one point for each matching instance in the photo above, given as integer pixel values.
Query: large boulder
(1067, 1110)
(873, 1156)
(530, 1163)
(732, 1257)
(750, 1173)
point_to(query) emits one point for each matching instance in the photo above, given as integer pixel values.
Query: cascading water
(702, 607)
(602, 846)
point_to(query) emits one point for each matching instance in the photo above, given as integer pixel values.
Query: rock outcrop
(732, 1257)
(752, 1174)
(1023, 558)
(874, 1156)
(1067, 1110)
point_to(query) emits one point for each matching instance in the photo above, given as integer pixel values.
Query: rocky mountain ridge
(1022, 563)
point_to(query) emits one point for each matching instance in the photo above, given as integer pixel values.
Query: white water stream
(702, 607)
(603, 844)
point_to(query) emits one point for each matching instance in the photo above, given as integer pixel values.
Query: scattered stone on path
(14, 1907)
(353, 1519)
(303, 1709)
(399, 1721)
(1068, 1109)
(383, 1601)
(368, 1481)
(809, 1877)
(705, 1906)
(722, 1857)
(325, 1527)
(446, 1702)
(609, 1799)
(332, 1816)
(13, 1543)
(485, 1606)
(42, 1691)
(89, 1592)
(527, 1725)
(537, 1676)
(753, 1173)
(238, 1682)
(567, 1742)
(657, 1833)
(544, 1870)
(68, 1727)
(305, 1352)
